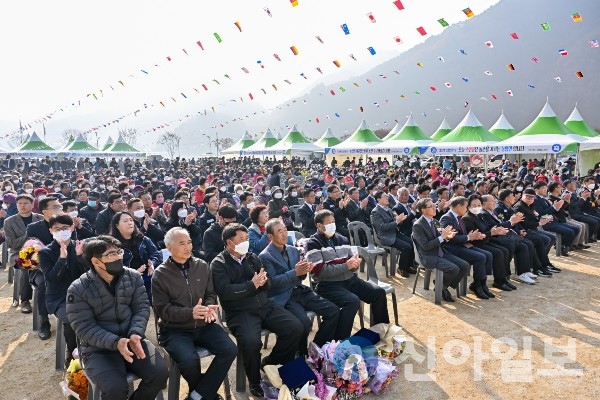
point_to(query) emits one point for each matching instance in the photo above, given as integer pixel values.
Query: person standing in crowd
(111, 339)
(307, 212)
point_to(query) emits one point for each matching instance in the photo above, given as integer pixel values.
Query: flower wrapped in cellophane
(28, 255)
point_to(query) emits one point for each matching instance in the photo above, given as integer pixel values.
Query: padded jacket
(100, 318)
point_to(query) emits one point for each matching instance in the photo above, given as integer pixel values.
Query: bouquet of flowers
(75, 385)
(28, 255)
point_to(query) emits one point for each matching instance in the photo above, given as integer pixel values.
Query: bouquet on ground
(28, 255)
(75, 385)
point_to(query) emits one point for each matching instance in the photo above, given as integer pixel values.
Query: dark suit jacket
(385, 225)
(243, 217)
(460, 239)
(544, 207)
(531, 221)
(406, 226)
(338, 213)
(16, 234)
(307, 217)
(473, 222)
(283, 275)
(40, 230)
(212, 244)
(59, 273)
(427, 243)
(355, 213)
(103, 221)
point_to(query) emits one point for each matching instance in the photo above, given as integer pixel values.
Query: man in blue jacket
(287, 270)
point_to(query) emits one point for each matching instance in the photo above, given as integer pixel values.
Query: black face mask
(114, 267)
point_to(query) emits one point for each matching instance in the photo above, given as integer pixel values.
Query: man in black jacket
(187, 312)
(111, 338)
(337, 205)
(242, 285)
(306, 213)
(212, 243)
(93, 207)
(246, 204)
(61, 263)
(115, 204)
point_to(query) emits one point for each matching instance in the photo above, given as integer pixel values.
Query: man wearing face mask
(246, 204)
(223, 193)
(243, 285)
(40, 230)
(148, 226)
(337, 281)
(111, 339)
(212, 244)
(83, 229)
(61, 263)
(92, 209)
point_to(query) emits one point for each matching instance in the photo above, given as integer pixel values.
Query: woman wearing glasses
(139, 251)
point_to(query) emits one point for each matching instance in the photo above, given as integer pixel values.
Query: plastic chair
(558, 245)
(355, 228)
(297, 223)
(439, 277)
(174, 373)
(61, 345)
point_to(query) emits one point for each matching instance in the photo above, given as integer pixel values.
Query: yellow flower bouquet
(28, 255)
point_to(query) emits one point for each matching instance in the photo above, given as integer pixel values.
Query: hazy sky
(56, 53)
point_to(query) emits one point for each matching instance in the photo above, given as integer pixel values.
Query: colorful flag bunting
(319, 38)
(277, 57)
(361, 109)
(493, 96)
(204, 86)
(268, 11)
(441, 59)
(332, 92)
(345, 29)
(371, 50)
(489, 73)
(509, 92)
(184, 96)
(442, 22)
(510, 67)
(558, 79)
(218, 37)
(122, 84)
(579, 74)
(398, 40)
(422, 31)
(352, 57)
(514, 35)
(260, 63)
(168, 58)
(531, 86)
(448, 84)
(563, 52)
(398, 4)
(336, 63)
(185, 51)
(319, 69)
(462, 52)
(594, 43)
(489, 44)
(468, 12)
(342, 89)
(200, 44)
(274, 87)
(433, 89)
(420, 64)
(371, 17)
(545, 26)
(294, 50)
(464, 78)
(576, 17)
(535, 60)
(245, 70)
(237, 23)
(294, 3)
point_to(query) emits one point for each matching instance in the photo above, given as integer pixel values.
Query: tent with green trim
(503, 129)
(546, 134)
(328, 139)
(267, 140)
(69, 141)
(391, 133)
(109, 142)
(121, 146)
(406, 140)
(469, 137)
(442, 131)
(295, 143)
(359, 142)
(79, 144)
(576, 123)
(244, 142)
(34, 146)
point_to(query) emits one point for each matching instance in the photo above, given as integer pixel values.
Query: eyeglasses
(56, 207)
(61, 229)
(113, 254)
(430, 206)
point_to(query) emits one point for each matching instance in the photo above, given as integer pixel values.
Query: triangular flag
(468, 12)
(545, 26)
(514, 35)
(576, 17)
(443, 22)
(371, 17)
(422, 31)
(398, 4)
(489, 44)
(509, 92)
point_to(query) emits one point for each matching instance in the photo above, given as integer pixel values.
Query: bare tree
(72, 134)
(130, 135)
(15, 140)
(381, 133)
(171, 141)
(223, 143)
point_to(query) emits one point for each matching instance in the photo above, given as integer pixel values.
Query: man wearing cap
(93, 207)
(212, 243)
(115, 204)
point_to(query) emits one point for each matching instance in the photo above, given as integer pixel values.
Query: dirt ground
(540, 341)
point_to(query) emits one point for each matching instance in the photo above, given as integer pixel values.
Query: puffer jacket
(148, 251)
(174, 294)
(100, 319)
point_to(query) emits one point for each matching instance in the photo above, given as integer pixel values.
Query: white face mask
(29, 191)
(57, 189)
(101, 186)
(294, 194)
(475, 210)
(239, 192)
(4, 206)
(154, 179)
(278, 195)
(41, 197)
(140, 213)
(519, 188)
(330, 229)
(109, 187)
(319, 193)
(261, 182)
(15, 181)
(242, 248)
(250, 205)
(591, 186)
(73, 213)
(268, 192)
(61, 236)
(182, 213)
(223, 188)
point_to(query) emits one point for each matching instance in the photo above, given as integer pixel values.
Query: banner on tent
(262, 153)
